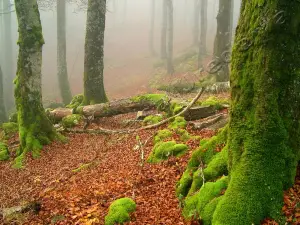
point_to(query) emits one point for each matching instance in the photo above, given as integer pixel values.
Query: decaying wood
(31, 206)
(213, 122)
(199, 112)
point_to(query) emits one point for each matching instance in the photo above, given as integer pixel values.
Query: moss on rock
(119, 211)
(215, 102)
(163, 150)
(76, 101)
(4, 153)
(162, 135)
(179, 122)
(71, 120)
(184, 135)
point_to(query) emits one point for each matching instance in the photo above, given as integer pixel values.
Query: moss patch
(4, 153)
(152, 119)
(215, 102)
(76, 101)
(119, 211)
(179, 122)
(10, 128)
(163, 150)
(184, 135)
(162, 135)
(71, 120)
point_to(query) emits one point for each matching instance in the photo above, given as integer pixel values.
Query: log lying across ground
(128, 105)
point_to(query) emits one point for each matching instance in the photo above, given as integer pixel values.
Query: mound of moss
(162, 135)
(163, 150)
(4, 153)
(179, 122)
(184, 135)
(71, 120)
(76, 101)
(13, 117)
(152, 119)
(215, 102)
(10, 128)
(119, 211)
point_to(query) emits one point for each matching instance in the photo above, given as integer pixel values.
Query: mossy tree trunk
(223, 36)
(94, 91)
(151, 35)
(203, 32)
(170, 67)
(264, 129)
(62, 70)
(8, 72)
(163, 41)
(3, 115)
(35, 129)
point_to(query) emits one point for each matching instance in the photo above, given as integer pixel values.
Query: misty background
(127, 57)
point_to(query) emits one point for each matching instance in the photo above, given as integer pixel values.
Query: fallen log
(199, 112)
(213, 122)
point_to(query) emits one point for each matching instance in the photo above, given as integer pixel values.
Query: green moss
(152, 119)
(214, 101)
(163, 150)
(179, 122)
(184, 135)
(82, 167)
(208, 211)
(119, 211)
(10, 128)
(162, 135)
(71, 120)
(197, 202)
(13, 117)
(153, 98)
(184, 184)
(4, 153)
(76, 101)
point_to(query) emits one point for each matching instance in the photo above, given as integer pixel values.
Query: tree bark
(62, 70)
(170, 67)
(203, 32)
(35, 129)
(163, 47)
(3, 115)
(223, 37)
(151, 36)
(93, 61)
(9, 74)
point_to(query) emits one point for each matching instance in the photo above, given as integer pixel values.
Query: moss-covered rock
(162, 135)
(179, 122)
(152, 119)
(4, 153)
(119, 211)
(184, 135)
(13, 117)
(215, 102)
(71, 120)
(10, 128)
(76, 101)
(163, 150)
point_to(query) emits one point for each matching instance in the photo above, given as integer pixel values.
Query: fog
(128, 61)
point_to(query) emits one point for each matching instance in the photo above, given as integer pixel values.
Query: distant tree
(62, 70)
(196, 22)
(223, 36)
(35, 129)
(170, 67)
(203, 31)
(152, 19)
(3, 116)
(94, 91)
(163, 43)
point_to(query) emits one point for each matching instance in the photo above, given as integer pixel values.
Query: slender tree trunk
(223, 36)
(170, 67)
(93, 62)
(3, 116)
(35, 129)
(152, 50)
(62, 70)
(9, 74)
(196, 22)
(164, 30)
(203, 32)
(263, 140)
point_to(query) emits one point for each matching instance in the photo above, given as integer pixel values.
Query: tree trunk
(163, 43)
(62, 70)
(203, 31)
(93, 61)
(223, 37)
(170, 67)
(196, 22)
(35, 129)
(152, 18)
(263, 138)
(3, 116)
(9, 74)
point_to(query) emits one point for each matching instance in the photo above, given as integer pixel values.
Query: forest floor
(71, 193)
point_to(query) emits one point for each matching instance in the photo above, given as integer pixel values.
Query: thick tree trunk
(93, 61)
(9, 74)
(223, 37)
(263, 138)
(170, 67)
(196, 22)
(62, 70)
(3, 116)
(35, 129)
(203, 32)
(163, 42)
(151, 35)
